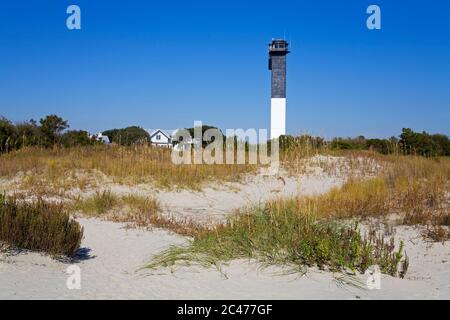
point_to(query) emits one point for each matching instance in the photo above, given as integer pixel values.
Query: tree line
(408, 142)
(47, 132)
(52, 131)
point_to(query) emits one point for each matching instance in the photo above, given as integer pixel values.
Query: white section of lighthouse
(277, 117)
(278, 49)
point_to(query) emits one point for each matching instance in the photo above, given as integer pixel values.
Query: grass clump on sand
(39, 226)
(142, 211)
(97, 204)
(138, 210)
(106, 202)
(280, 234)
(135, 210)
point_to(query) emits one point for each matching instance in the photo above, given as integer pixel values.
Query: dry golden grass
(100, 203)
(416, 188)
(134, 210)
(138, 211)
(63, 169)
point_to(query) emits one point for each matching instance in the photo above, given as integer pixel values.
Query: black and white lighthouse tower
(278, 49)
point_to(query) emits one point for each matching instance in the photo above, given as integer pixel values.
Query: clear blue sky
(164, 64)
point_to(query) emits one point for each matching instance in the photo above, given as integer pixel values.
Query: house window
(158, 137)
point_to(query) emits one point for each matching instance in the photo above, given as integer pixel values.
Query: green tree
(383, 146)
(51, 128)
(28, 133)
(424, 144)
(442, 143)
(74, 138)
(8, 135)
(348, 143)
(128, 136)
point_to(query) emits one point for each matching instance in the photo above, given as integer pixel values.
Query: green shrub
(39, 226)
(284, 234)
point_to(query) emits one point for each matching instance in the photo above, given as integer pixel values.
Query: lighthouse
(278, 49)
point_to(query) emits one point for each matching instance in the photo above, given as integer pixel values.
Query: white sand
(117, 254)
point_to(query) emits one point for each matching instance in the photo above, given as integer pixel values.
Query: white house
(160, 137)
(166, 138)
(100, 137)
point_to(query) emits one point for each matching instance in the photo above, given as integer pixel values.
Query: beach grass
(100, 203)
(135, 210)
(322, 230)
(281, 235)
(65, 168)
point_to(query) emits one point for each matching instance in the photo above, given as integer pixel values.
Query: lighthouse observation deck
(279, 46)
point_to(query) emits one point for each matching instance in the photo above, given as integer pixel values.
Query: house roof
(168, 133)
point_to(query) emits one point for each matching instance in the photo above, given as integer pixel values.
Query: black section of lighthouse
(278, 50)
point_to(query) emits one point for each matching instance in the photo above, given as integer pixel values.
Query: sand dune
(111, 266)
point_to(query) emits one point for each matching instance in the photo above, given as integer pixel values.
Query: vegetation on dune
(50, 157)
(408, 184)
(97, 204)
(409, 176)
(135, 210)
(140, 211)
(128, 165)
(281, 234)
(315, 230)
(38, 226)
(137, 162)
